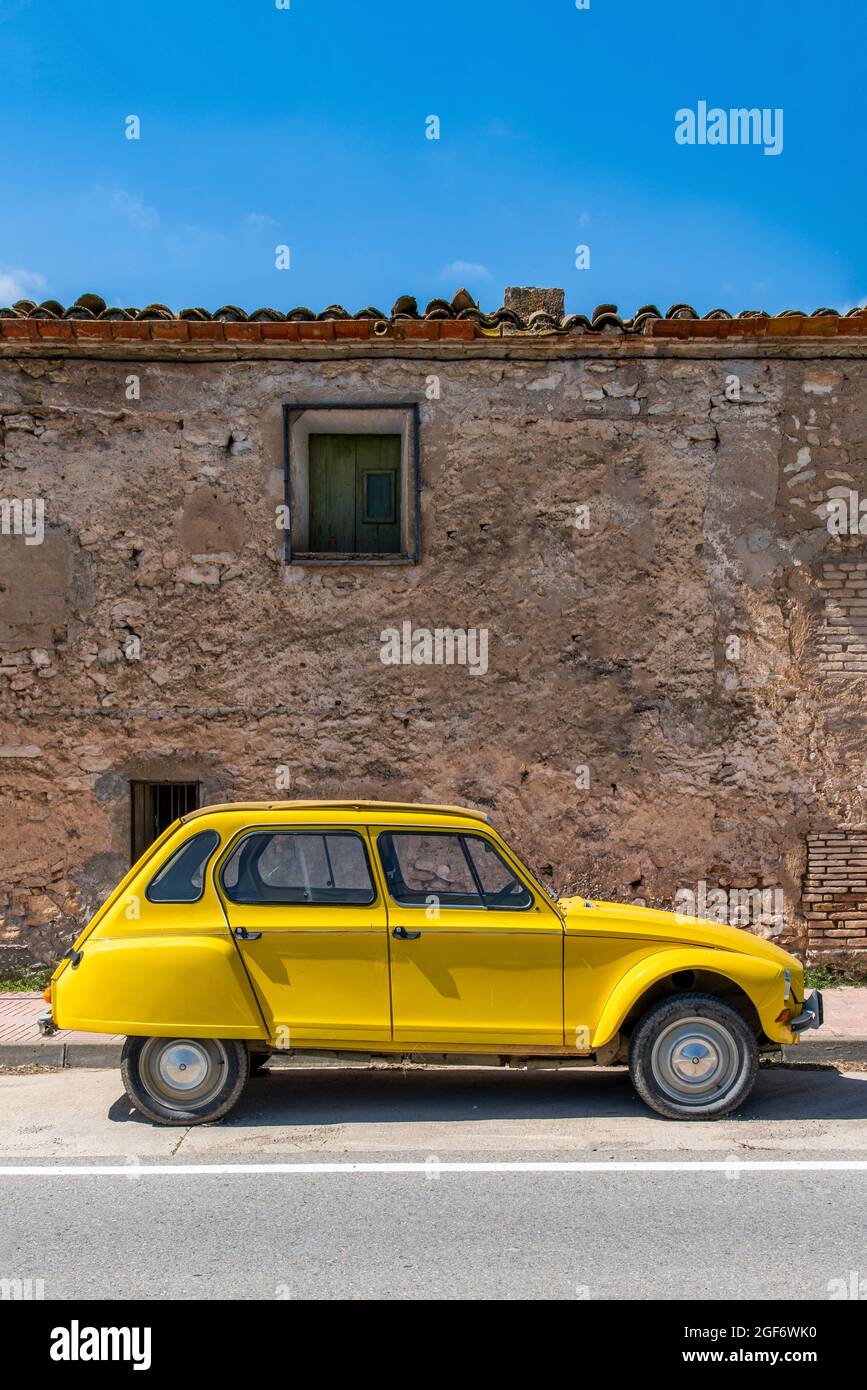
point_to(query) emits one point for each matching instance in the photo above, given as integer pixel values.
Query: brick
(243, 332)
(463, 329)
(319, 332)
(138, 329)
(54, 328)
(707, 328)
(351, 328)
(427, 331)
(210, 331)
(18, 328)
(671, 328)
(280, 332)
(788, 327)
(92, 328)
(825, 327)
(178, 331)
(741, 328)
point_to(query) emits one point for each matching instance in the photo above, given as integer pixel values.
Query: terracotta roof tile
(680, 321)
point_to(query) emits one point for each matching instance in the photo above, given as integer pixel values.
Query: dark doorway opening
(154, 806)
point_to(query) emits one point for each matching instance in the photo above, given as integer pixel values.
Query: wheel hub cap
(695, 1061)
(184, 1073)
(183, 1067)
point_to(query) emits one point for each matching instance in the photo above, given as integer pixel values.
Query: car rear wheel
(184, 1081)
(693, 1057)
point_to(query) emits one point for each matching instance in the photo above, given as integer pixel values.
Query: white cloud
(133, 207)
(259, 220)
(17, 283)
(189, 243)
(464, 270)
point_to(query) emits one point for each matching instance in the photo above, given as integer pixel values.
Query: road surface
(476, 1184)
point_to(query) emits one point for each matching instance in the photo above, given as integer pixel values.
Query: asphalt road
(180, 1221)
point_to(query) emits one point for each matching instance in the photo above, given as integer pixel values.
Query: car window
(289, 867)
(499, 884)
(182, 878)
(455, 870)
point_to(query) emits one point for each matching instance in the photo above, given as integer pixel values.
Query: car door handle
(244, 935)
(401, 934)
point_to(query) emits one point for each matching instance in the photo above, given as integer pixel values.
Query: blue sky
(306, 127)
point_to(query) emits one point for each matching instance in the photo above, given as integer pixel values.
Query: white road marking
(429, 1166)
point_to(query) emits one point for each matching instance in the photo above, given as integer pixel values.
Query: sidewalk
(843, 1038)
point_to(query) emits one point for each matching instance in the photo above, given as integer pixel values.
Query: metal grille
(155, 805)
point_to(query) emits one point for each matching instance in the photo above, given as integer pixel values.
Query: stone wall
(640, 527)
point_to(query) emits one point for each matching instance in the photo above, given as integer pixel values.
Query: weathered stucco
(609, 643)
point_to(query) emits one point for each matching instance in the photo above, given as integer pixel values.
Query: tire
(184, 1081)
(693, 1057)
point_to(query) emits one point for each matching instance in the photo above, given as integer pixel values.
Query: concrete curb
(60, 1054)
(46, 1054)
(827, 1050)
(96, 1055)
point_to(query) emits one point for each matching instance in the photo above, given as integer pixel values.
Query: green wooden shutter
(377, 481)
(355, 494)
(332, 493)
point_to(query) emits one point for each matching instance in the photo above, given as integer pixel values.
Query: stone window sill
(311, 558)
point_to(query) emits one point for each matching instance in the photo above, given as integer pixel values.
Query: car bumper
(812, 1014)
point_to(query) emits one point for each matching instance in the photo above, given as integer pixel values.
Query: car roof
(355, 810)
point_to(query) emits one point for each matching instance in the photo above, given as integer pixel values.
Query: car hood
(621, 919)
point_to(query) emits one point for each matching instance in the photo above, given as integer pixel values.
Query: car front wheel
(184, 1081)
(693, 1057)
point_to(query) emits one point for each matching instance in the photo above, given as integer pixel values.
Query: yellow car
(375, 927)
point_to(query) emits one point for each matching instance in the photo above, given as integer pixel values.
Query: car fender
(762, 980)
(159, 985)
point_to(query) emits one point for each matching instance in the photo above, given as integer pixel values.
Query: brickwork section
(169, 330)
(843, 634)
(835, 891)
(180, 331)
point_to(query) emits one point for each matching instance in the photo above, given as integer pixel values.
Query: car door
(310, 922)
(476, 950)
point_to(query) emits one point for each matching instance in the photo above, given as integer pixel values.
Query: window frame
(292, 412)
(323, 830)
(185, 844)
(461, 835)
